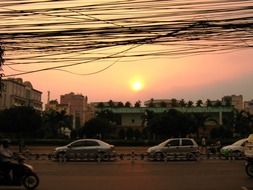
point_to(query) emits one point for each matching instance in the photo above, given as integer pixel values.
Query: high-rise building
(77, 104)
(15, 92)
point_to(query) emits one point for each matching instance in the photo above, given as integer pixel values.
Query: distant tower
(48, 96)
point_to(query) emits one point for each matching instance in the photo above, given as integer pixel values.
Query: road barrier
(98, 157)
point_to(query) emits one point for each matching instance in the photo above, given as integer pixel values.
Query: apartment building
(77, 106)
(236, 101)
(18, 93)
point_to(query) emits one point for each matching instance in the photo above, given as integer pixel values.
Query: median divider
(99, 157)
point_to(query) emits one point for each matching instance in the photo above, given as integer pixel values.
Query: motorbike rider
(6, 161)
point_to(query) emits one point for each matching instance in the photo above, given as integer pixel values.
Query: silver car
(236, 149)
(85, 148)
(186, 147)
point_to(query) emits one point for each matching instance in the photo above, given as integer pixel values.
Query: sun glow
(137, 85)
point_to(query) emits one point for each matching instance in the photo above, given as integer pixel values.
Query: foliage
(53, 122)
(20, 122)
(97, 128)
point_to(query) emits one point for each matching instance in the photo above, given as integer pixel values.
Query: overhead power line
(60, 34)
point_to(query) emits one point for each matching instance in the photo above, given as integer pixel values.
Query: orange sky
(198, 77)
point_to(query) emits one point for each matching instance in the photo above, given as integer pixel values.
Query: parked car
(236, 149)
(248, 150)
(175, 146)
(85, 148)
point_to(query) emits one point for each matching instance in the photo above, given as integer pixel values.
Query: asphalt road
(203, 174)
(143, 175)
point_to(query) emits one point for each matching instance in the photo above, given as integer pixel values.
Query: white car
(248, 150)
(85, 147)
(236, 149)
(184, 146)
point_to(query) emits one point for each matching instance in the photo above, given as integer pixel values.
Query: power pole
(1, 70)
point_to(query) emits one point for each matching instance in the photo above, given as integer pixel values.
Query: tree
(163, 104)
(120, 105)
(182, 103)
(208, 103)
(189, 103)
(97, 128)
(218, 103)
(20, 122)
(137, 104)
(54, 121)
(128, 104)
(111, 103)
(174, 102)
(101, 105)
(243, 124)
(199, 103)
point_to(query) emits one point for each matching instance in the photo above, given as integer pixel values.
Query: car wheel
(190, 156)
(236, 154)
(61, 156)
(158, 156)
(249, 169)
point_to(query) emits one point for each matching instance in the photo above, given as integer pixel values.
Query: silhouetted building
(77, 105)
(18, 93)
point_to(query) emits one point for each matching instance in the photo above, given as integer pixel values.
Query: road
(204, 174)
(143, 175)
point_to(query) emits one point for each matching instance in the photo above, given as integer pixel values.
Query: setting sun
(137, 85)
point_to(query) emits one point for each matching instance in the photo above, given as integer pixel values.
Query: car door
(187, 146)
(76, 147)
(91, 147)
(172, 146)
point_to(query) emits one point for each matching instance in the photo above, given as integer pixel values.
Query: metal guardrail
(132, 156)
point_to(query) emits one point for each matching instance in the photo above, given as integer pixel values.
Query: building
(54, 105)
(77, 105)
(236, 101)
(18, 93)
(248, 106)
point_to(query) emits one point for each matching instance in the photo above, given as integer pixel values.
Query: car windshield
(239, 142)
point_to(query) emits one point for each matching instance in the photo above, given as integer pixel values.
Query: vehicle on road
(85, 148)
(26, 176)
(236, 149)
(185, 147)
(248, 152)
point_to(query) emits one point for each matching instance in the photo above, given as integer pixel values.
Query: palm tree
(120, 105)
(208, 103)
(182, 103)
(189, 103)
(174, 102)
(111, 103)
(199, 103)
(128, 104)
(137, 104)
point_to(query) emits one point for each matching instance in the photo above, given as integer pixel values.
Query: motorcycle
(249, 166)
(27, 177)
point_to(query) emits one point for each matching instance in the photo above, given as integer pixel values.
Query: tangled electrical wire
(61, 34)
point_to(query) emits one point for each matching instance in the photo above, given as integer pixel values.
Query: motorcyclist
(6, 161)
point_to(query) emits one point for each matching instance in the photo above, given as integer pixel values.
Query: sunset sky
(210, 75)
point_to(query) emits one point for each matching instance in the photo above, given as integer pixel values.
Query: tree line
(26, 122)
